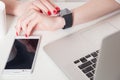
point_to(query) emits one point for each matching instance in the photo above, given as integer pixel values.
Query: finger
(42, 7)
(30, 27)
(37, 9)
(27, 13)
(18, 29)
(34, 7)
(49, 6)
(27, 21)
(31, 6)
(24, 19)
(55, 6)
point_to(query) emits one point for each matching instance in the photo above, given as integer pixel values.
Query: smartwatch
(67, 15)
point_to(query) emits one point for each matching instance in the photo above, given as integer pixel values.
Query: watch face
(65, 12)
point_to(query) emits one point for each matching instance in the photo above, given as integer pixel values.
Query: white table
(45, 69)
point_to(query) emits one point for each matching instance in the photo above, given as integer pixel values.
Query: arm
(93, 9)
(89, 11)
(17, 8)
(11, 6)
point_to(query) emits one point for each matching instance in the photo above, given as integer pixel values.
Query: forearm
(93, 9)
(11, 6)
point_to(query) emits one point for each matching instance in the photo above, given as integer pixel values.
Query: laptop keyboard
(87, 64)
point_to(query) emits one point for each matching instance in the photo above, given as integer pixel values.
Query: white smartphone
(23, 55)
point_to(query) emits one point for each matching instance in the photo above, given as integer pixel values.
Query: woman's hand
(23, 7)
(47, 7)
(17, 8)
(35, 20)
(35, 17)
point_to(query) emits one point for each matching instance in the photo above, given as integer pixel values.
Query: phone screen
(22, 54)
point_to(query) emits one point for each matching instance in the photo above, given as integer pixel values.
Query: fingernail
(49, 13)
(26, 35)
(57, 8)
(16, 33)
(21, 28)
(55, 12)
(41, 11)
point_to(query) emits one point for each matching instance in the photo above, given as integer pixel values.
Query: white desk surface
(45, 69)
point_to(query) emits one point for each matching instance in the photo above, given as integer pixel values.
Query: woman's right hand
(18, 8)
(46, 7)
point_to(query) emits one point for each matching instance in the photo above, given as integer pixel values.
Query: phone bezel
(24, 71)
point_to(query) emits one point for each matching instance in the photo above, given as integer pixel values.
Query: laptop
(77, 54)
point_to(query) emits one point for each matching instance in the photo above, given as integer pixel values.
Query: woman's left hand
(35, 20)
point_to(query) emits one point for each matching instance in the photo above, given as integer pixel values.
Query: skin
(17, 8)
(37, 18)
(93, 10)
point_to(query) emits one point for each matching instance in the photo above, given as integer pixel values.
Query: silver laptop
(76, 55)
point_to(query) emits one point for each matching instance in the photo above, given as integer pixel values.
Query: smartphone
(22, 56)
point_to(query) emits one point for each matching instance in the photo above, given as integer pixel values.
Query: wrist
(60, 22)
(10, 8)
(17, 9)
(68, 17)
